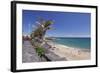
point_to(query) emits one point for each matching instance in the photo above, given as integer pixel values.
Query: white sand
(70, 53)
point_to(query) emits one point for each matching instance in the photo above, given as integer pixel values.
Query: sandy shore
(70, 53)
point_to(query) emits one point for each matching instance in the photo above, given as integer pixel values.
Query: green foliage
(48, 23)
(40, 51)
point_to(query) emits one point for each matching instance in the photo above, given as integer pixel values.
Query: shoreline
(70, 53)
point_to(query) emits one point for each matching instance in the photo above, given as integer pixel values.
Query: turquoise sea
(84, 43)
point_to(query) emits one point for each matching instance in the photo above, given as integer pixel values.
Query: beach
(70, 53)
(56, 52)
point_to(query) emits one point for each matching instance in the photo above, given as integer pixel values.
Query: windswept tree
(42, 26)
(37, 35)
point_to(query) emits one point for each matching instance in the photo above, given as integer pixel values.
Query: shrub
(40, 51)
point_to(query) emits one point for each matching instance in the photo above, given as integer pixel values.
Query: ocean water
(84, 43)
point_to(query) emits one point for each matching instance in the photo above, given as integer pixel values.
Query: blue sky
(66, 24)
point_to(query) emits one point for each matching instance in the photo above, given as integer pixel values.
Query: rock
(28, 53)
(53, 57)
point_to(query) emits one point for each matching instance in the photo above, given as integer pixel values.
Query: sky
(66, 24)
